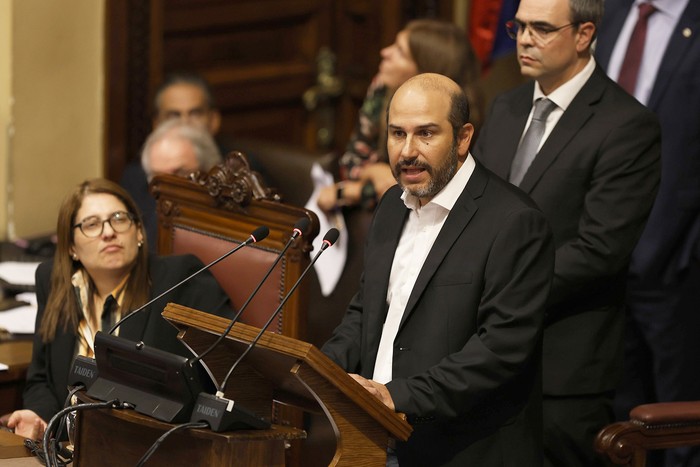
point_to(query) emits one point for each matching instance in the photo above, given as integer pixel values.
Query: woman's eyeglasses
(93, 226)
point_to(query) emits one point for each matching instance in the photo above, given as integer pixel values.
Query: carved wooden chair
(651, 426)
(209, 214)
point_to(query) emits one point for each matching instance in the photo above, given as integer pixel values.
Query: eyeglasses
(539, 32)
(93, 226)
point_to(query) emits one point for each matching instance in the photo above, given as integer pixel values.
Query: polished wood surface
(111, 438)
(12, 447)
(15, 353)
(362, 423)
(651, 426)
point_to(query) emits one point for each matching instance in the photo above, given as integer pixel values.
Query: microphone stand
(223, 414)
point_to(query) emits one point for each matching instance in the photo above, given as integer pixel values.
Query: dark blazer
(467, 354)
(672, 234)
(594, 179)
(47, 376)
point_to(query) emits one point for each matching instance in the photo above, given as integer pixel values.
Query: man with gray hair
(175, 147)
(588, 155)
(178, 148)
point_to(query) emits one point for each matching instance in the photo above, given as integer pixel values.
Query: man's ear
(585, 34)
(464, 139)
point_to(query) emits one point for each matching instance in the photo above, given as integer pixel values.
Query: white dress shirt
(562, 96)
(422, 228)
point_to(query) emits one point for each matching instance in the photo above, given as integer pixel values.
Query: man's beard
(440, 176)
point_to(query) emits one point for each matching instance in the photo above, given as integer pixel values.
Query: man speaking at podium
(446, 326)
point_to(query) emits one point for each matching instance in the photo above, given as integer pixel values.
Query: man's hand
(377, 390)
(27, 424)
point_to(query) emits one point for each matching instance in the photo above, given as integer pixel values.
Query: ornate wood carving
(234, 185)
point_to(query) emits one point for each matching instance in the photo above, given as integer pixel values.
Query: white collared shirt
(422, 228)
(660, 26)
(562, 97)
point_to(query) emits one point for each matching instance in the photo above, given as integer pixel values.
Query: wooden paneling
(258, 55)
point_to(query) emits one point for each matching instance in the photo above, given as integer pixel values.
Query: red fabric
(483, 23)
(635, 50)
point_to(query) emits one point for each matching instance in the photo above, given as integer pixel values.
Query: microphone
(223, 414)
(258, 234)
(299, 228)
(84, 370)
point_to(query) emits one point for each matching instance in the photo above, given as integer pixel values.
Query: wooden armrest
(663, 413)
(651, 426)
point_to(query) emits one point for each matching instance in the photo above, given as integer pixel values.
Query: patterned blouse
(111, 312)
(364, 145)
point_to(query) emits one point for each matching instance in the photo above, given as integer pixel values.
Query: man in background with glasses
(588, 155)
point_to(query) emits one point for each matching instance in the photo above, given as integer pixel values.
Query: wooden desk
(12, 447)
(125, 435)
(16, 353)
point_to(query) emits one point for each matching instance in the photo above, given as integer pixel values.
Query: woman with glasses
(101, 272)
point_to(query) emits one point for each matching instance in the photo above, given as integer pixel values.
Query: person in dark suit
(446, 325)
(594, 175)
(102, 271)
(662, 348)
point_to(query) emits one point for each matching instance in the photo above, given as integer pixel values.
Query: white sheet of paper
(20, 320)
(330, 266)
(18, 273)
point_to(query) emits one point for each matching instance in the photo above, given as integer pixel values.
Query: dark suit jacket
(672, 234)
(47, 377)
(594, 179)
(466, 357)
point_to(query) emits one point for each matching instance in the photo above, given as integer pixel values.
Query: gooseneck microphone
(84, 369)
(328, 241)
(299, 228)
(155, 382)
(258, 234)
(223, 414)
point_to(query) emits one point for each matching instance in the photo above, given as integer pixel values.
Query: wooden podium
(279, 368)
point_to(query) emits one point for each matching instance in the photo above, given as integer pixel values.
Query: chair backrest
(209, 214)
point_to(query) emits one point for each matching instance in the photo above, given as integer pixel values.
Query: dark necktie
(531, 141)
(108, 316)
(635, 49)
